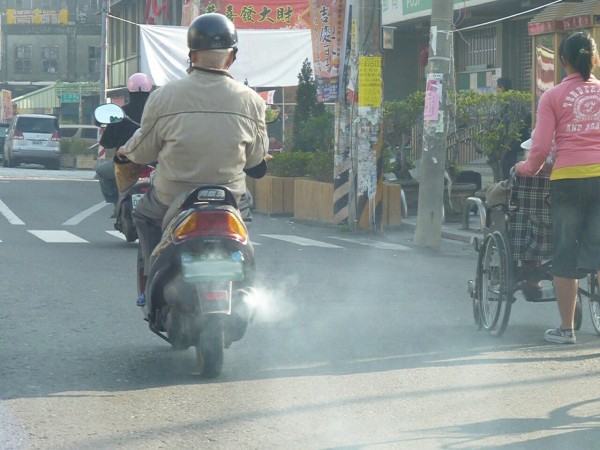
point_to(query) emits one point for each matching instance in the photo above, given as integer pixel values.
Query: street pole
(428, 232)
(103, 67)
(358, 179)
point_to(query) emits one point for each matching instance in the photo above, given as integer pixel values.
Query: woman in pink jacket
(569, 113)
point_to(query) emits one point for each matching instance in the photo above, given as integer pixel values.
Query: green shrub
(75, 146)
(320, 166)
(289, 164)
(316, 165)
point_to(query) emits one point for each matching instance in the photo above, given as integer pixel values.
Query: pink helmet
(139, 82)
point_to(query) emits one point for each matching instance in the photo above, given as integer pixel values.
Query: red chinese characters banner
(251, 14)
(327, 36)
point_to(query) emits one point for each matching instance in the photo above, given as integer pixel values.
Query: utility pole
(428, 231)
(103, 51)
(358, 182)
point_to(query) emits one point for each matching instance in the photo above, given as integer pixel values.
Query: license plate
(135, 198)
(37, 142)
(197, 270)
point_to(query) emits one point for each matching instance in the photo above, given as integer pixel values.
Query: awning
(42, 98)
(565, 17)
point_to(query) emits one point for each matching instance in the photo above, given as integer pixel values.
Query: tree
(500, 120)
(399, 118)
(307, 108)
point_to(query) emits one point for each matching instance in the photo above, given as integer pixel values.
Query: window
(50, 59)
(23, 55)
(94, 56)
(477, 48)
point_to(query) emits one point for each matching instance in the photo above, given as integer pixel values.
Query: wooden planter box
(67, 161)
(85, 162)
(272, 195)
(313, 200)
(392, 205)
(77, 161)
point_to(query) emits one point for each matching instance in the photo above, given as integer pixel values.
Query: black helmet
(211, 31)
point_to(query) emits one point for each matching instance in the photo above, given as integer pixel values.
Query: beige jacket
(202, 129)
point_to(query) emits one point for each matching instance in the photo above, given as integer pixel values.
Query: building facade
(52, 43)
(491, 40)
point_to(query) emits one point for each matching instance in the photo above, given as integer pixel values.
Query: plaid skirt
(529, 218)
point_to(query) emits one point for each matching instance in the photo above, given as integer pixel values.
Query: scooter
(199, 286)
(127, 202)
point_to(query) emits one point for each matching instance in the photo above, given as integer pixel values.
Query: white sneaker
(560, 336)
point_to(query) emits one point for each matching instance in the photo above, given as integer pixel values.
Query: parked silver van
(32, 138)
(90, 133)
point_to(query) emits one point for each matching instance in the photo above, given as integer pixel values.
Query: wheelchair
(515, 253)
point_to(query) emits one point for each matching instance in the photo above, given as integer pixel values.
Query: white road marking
(375, 244)
(300, 240)
(57, 236)
(76, 219)
(116, 234)
(10, 216)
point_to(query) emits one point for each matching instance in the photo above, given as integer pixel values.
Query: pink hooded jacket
(569, 113)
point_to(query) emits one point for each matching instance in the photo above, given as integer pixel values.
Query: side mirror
(272, 113)
(109, 113)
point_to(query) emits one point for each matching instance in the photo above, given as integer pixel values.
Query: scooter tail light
(218, 223)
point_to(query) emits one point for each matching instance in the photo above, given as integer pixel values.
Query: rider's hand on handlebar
(121, 154)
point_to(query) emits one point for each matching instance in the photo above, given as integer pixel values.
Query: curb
(455, 235)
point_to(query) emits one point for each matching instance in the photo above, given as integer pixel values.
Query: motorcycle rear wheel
(210, 348)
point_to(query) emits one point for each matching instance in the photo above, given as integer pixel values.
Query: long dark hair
(579, 50)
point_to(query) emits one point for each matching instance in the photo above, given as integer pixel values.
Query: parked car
(90, 133)
(32, 138)
(3, 130)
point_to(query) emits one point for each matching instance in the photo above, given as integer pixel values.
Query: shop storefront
(547, 29)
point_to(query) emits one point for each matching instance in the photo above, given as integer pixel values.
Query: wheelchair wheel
(594, 301)
(495, 283)
(476, 291)
(578, 313)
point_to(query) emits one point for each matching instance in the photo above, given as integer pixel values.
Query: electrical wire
(508, 17)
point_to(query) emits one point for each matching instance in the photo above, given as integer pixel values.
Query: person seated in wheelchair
(529, 226)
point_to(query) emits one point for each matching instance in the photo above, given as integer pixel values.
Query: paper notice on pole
(433, 96)
(433, 39)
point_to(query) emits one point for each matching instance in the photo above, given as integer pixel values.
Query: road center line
(78, 218)
(10, 216)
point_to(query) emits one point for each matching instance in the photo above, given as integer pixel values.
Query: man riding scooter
(205, 128)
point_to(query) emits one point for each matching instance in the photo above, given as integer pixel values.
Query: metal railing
(469, 203)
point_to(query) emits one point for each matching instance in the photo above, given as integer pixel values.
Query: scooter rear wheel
(210, 348)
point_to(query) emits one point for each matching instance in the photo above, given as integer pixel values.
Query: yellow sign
(369, 81)
(37, 16)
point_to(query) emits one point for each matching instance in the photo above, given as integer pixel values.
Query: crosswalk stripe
(57, 236)
(375, 244)
(116, 234)
(75, 220)
(300, 240)
(10, 216)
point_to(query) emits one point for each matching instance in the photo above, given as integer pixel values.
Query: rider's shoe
(141, 300)
(560, 336)
(114, 213)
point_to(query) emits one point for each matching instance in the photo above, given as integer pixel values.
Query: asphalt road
(361, 341)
